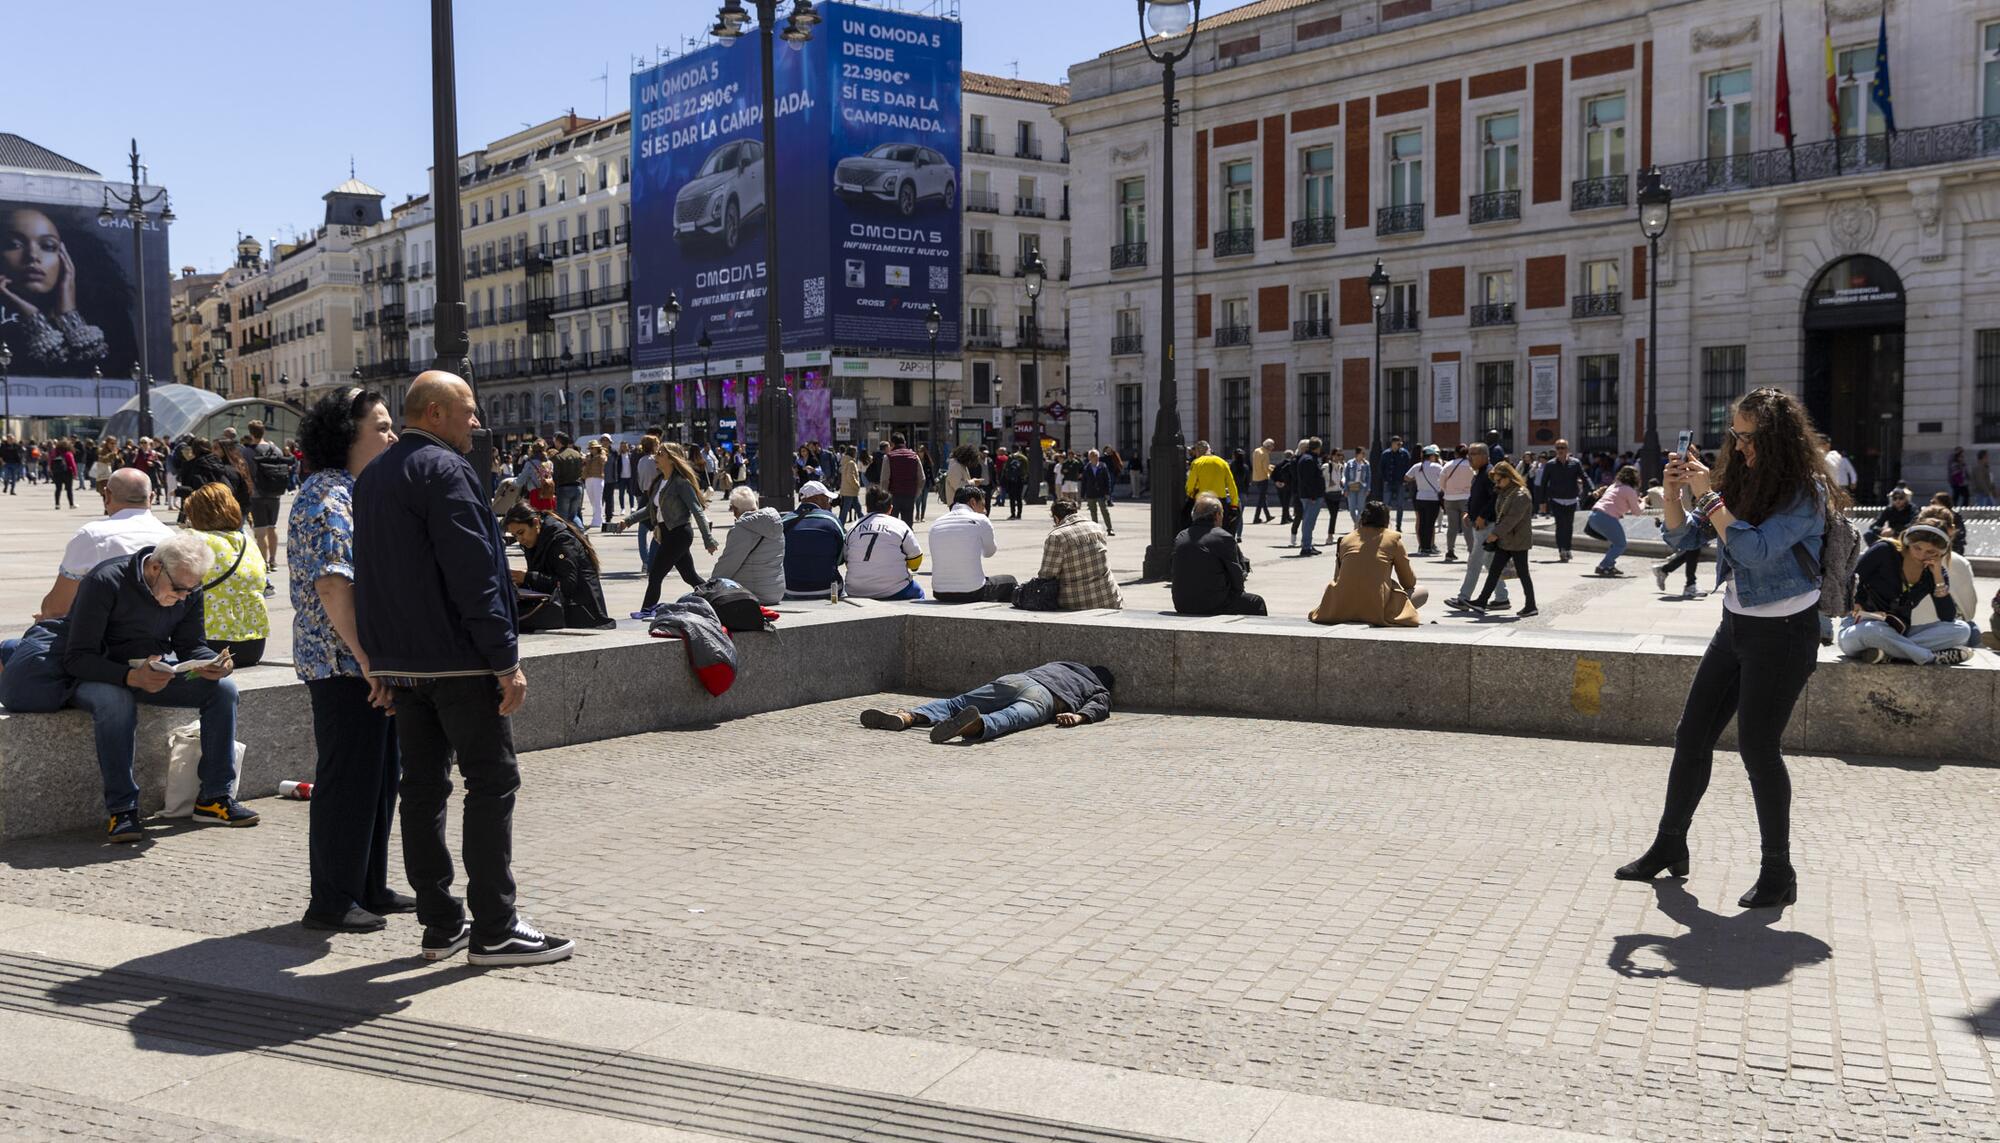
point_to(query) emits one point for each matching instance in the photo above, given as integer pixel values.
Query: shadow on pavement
(81, 849)
(241, 992)
(1737, 954)
(1986, 1022)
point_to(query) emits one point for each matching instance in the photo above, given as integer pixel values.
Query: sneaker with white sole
(522, 944)
(1660, 577)
(1871, 655)
(1951, 656)
(441, 941)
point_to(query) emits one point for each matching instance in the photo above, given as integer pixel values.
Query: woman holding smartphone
(1765, 503)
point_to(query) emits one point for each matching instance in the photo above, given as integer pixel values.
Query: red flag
(1832, 80)
(1784, 123)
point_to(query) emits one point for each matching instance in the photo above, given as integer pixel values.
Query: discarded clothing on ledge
(711, 652)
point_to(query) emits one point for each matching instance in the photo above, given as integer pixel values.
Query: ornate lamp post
(569, 401)
(134, 202)
(704, 344)
(1162, 22)
(7, 388)
(933, 322)
(670, 320)
(1656, 207)
(96, 385)
(776, 429)
(1035, 274)
(1378, 296)
(285, 388)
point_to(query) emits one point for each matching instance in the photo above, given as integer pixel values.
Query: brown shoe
(965, 723)
(887, 719)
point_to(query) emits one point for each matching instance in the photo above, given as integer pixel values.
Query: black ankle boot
(1669, 852)
(1777, 884)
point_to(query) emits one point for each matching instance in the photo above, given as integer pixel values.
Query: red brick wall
(1610, 61)
(1354, 378)
(1314, 118)
(1272, 377)
(1408, 99)
(1543, 434)
(1397, 9)
(1275, 180)
(1273, 309)
(1200, 191)
(1548, 131)
(1638, 273)
(1200, 404)
(1314, 28)
(1235, 133)
(1230, 49)
(1497, 82)
(1646, 103)
(1204, 315)
(1445, 434)
(1354, 307)
(1359, 147)
(1548, 281)
(1448, 292)
(1447, 197)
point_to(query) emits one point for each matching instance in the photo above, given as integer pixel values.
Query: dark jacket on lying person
(561, 564)
(1077, 687)
(1208, 569)
(116, 619)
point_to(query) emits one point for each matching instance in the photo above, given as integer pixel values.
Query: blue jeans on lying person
(1918, 645)
(1008, 704)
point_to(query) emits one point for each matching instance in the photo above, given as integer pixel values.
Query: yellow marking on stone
(1586, 693)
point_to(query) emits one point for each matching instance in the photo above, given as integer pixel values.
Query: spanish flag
(1832, 79)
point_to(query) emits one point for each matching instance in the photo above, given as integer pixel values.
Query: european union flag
(1878, 89)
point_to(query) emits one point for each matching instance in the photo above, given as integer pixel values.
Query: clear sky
(248, 110)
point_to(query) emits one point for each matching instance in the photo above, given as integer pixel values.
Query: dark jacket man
(1481, 502)
(1562, 478)
(1096, 481)
(1308, 478)
(905, 472)
(1208, 572)
(1081, 690)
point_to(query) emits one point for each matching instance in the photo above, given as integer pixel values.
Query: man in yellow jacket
(1210, 473)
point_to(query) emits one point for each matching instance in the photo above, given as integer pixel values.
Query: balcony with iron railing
(979, 142)
(982, 202)
(1594, 305)
(1312, 329)
(395, 272)
(426, 270)
(982, 263)
(1029, 207)
(984, 338)
(506, 259)
(1063, 274)
(392, 313)
(1027, 336)
(599, 239)
(1228, 335)
(1128, 256)
(1912, 147)
(1492, 313)
(1598, 193)
(1027, 149)
(367, 275)
(1317, 231)
(1397, 321)
(1127, 344)
(1405, 219)
(283, 292)
(622, 233)
(1235, 241)
(368, 319)
(1494, 206)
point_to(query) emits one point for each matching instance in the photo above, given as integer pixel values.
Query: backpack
(273, 470)
(1839, 554)
(1017, 470)
(734, 605)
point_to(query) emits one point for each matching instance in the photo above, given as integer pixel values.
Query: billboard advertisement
(867, 200)
(69, 298)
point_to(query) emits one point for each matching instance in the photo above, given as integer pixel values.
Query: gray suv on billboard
(722, 196)
(901, 173)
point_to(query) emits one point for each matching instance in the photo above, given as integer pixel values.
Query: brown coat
(1514, 525)
(1372, 582)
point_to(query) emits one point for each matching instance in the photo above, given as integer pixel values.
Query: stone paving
(1407, 918)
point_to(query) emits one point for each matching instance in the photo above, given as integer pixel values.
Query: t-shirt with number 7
(879, 552)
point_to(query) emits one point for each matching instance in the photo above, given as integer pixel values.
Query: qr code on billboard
(940, 279)
(815, 298)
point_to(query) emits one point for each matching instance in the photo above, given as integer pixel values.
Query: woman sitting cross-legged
(1893, 575)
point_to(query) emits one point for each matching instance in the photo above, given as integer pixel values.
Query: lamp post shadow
(1735, 954)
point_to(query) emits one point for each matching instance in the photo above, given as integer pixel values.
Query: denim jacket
(1760, 556)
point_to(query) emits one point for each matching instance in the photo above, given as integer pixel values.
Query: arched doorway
(1854, 367)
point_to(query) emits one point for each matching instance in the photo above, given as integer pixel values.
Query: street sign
(1056, 410)
(956, 407)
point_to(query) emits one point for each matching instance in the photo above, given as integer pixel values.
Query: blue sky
(248, 110)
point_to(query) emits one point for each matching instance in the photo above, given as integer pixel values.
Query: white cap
(812, 488)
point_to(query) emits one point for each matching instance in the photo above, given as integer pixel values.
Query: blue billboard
(867, 210)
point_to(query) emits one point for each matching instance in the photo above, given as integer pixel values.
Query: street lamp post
(1378, 296)
(933, 322)
(1167, 20)
(1035, 274)
(96, 385)
(1656, 205)
(7, 388)
(285, 388)
(776, 428)
(134, 202)
(569, 399)
(670, 320)
(705, 344)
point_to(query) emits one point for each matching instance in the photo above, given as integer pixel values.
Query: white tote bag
(184, 770)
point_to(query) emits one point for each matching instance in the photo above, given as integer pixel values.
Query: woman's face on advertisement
(30, 250)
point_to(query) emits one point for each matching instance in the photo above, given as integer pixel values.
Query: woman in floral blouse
(233, 614)
(354, 785)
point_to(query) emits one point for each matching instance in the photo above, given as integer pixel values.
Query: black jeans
(243, 652)
(1427, 522)
(354, 798)
(1565, 515)
(672, 548)
(64, 485)
(997, 589)
(440, 721)
(1498, 565)
(1690, 559)
(1754, 671)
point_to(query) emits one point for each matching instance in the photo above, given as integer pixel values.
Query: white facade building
(1488, 154)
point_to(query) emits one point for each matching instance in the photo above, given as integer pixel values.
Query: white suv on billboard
(722, 196)
(901, 173)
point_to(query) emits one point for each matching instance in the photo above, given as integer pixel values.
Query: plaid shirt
(1074, 555)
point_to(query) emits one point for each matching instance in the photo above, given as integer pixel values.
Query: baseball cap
(813, 488)
(1432, 450)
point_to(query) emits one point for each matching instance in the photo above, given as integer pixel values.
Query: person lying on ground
(1063, 692)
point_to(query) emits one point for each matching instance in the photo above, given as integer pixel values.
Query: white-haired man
(111, 653)
(753, 552)
(129, 525)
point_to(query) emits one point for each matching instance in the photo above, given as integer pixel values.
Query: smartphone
(1687, 438)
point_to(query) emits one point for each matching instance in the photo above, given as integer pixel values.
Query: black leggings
(1498, 564)
(64, 485)
(1427, 519)
(1754, 671)
(672, 548)
(1690, 559)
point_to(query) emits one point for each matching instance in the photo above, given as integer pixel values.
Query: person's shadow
(265, 1004)
(1987, 1021)
(1738, 953)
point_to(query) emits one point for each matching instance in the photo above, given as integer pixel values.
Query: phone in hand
(1687, 438)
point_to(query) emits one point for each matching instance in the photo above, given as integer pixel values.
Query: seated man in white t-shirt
(960, 541)
(130, 526)
(882, 554)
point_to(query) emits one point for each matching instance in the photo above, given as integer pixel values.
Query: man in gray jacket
(753, 554)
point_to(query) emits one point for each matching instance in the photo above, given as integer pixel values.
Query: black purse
(1038, 594)
(538, 611)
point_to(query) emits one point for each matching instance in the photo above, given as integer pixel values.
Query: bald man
(434, 608)
(129, 526)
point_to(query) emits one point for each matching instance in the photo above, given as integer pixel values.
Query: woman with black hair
(1766, 506)
(562, 564)
(45, 305)
(354, 784)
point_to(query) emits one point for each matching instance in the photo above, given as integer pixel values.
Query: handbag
(184, 770)
(1038, 594)
(1492, 544)
(539, 611)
